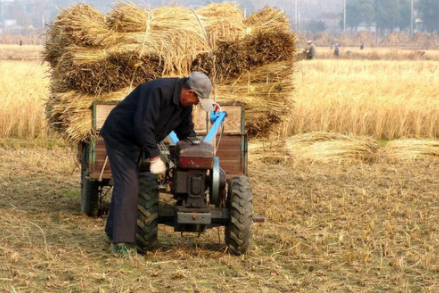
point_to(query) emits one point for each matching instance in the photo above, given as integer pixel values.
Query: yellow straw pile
(411, 149)
(98, 57)
(328, 147)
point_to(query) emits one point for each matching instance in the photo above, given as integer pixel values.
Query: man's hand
(157, 166)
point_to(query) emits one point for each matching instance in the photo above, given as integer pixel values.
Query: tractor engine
(197, 171)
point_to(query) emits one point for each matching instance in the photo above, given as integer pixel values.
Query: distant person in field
(337, 50)
(20, 43)
(311, 51)
(362, 45)
(137, 124)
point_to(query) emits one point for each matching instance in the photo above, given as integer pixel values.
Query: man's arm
(186, 127)
(145, 119)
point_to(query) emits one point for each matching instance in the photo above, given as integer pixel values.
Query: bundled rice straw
(232, 58)
(410, 149)
(80, 25)
(265, 91)
(267, 39)
(223, 22)
(127, 18)
(72, 118)
(172, 34)
(96, 58)
(267, 20)
(327, 147)
(95, 71)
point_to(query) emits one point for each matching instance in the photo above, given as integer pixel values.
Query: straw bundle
(132, 45)
(127, 18)
(410, 149)
(327, 147)
(81, 24)
(266, 93)
(95, 71)
(232, 58)
(173, 33)
(267, 20)
(70, 117)
(222, 22)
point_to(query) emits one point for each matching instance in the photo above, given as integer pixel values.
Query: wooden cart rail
(232, 151)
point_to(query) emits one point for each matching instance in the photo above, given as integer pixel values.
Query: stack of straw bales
(98, 57)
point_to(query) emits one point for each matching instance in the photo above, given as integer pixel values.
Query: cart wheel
(147, 211)
(89, 189)
(238, 230)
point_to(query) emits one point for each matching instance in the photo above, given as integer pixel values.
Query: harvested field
(349, 227)
(378, 53)
(23, 92)
(21, 53)
(382, 99)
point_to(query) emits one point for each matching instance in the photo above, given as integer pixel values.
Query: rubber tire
(147, 212)
(238, 232)
(89, 189)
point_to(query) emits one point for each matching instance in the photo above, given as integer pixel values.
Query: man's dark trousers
(122, 219)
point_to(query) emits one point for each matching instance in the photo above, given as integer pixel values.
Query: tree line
(389, 15)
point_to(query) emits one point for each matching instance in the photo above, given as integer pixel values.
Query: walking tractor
(207, 178)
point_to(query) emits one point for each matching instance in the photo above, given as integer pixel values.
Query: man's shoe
(124, 249)
(108, 239)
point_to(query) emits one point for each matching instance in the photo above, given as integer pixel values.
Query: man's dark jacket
(147, 115)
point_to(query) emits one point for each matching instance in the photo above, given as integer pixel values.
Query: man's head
(198, 91)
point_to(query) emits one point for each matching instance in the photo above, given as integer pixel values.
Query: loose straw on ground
(410, 149)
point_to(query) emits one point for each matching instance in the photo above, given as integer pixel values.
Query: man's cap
(309, 42)
(202, 87)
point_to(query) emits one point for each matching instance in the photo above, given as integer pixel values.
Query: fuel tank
(194, 155)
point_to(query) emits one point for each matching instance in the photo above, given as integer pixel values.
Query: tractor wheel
(239, 202)
(89, 189)
(147, 211)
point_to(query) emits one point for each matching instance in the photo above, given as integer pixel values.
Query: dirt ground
(357, 227)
